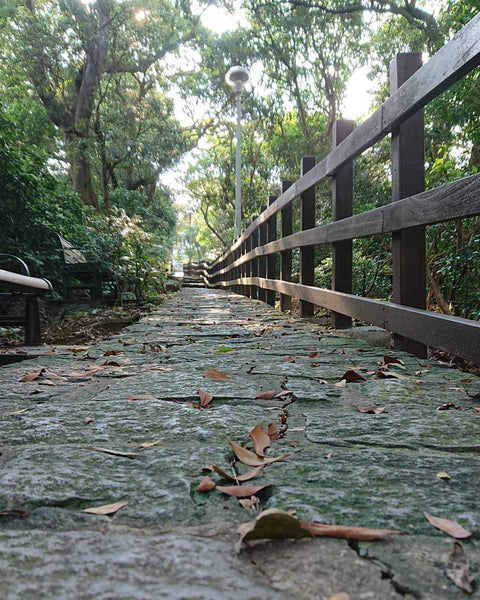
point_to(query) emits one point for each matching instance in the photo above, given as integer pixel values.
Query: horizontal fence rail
(259, 262)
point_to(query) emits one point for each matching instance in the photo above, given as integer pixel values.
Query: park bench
(77, 272)
(16, 285)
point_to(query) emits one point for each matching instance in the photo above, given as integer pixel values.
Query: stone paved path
(171, 541)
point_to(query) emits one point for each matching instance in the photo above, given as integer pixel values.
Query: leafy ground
(81, 324)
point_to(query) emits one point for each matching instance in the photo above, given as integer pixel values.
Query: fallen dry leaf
(352, 376)
(117, 452)
(206, 485)
(371, 410)
(243, 477)
(142, 397)
(214, 374)
(458, 569)
(284, 394)
(448, 406)
(341, 384)
(149, 444)
(261, 439)
(273, 432)
(362, 534)
(314, 354)
(241, 491)
(248, 503)
(268, 395)
(205, 398)
(278, 524)
(19, 512)
(477, 408)
(272, 523)
(289, 359)
(451, 528)
(89, 420)
(392, 360)
(251, 459)
(443, 475)
(106, 509)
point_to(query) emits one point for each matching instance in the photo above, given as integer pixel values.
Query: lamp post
(237, 77)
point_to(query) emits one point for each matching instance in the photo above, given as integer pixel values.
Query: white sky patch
(359, 95)
(219, 20)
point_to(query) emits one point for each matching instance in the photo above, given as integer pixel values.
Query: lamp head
(236, 77)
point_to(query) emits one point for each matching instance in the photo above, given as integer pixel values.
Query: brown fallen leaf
(18, 512)
(371, 410)
(89, 420)
(284, 394)
(273, 432)
(116, 452)
(477, 408)
(206, 485)
(248, 503)
(32, 375)
(205, 398)
(443, 475)
(448, 406)
(458, 569)
(391, 360)
(352, 376)
(268, 395)
(278, 524)
(111, 353)
(142, 397)
(243, 477)
(150, 444)
(289, 359)
(106, 509)
(111, 363)
(214, 374)
(251, 459)
(451, 528)
(272, 523)
(314, 354)
(261, 439)
(241, 491)
(363, 534)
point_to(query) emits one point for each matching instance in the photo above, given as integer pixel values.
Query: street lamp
(237, 77)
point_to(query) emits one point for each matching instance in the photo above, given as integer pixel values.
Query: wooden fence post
(271, 258)
(342, 207)
(262, 261)
(307, 221)
(255, 260)
(286, 255)
(408, 178)
(248, 266)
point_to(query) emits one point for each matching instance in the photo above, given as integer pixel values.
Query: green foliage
(120, 246)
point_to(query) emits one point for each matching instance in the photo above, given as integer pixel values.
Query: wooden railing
(250, 265)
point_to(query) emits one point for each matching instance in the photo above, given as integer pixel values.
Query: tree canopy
(101, 98)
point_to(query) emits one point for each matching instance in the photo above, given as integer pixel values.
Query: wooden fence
(251, 267)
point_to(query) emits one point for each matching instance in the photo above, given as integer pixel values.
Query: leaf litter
(458, 569)
(274, 523)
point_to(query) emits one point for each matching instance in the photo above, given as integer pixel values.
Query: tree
(94, 65)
